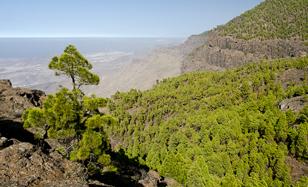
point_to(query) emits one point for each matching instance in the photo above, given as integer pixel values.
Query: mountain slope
(273, 29)
(271, 19)
(220, 128)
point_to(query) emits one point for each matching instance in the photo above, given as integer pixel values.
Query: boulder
(294, 104)
(21, 164)
(13, 101)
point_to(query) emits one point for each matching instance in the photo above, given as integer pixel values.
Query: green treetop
(74, 65)
(73, 118)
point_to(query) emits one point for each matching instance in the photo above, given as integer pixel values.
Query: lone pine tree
(72, 116)
(75, 66)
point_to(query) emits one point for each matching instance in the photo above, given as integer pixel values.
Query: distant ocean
(46, 47)
(25, 60)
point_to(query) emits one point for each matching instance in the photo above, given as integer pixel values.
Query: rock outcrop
(13, 101)
(298, 168)
(220, 52)
(292, 77)
(21, 164)
(295, 104)
(22, 161)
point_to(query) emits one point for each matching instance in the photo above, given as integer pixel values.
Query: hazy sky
(116, 18)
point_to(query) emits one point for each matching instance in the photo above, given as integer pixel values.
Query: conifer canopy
(74, 65)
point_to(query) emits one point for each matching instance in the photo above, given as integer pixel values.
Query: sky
(116, 18)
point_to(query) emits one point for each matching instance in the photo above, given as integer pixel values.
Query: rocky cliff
(23, 161)
(273, 29)
(220, 52)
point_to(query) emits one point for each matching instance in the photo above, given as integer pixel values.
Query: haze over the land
(121, 68)
(120, 62)
(231, 110)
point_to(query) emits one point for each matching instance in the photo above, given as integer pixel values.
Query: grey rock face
(220, 52)
(295, 104)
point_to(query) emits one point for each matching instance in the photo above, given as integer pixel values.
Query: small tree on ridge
(75, 66)
(73, 117)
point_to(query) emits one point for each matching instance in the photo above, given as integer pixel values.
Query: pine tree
(71, 116)
(75, 66)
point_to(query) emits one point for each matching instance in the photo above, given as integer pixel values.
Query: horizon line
(87, 36)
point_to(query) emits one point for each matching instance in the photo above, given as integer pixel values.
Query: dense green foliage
(271, 19)
(74, 118)
(70, 117)
(217, 128)
(72, 64)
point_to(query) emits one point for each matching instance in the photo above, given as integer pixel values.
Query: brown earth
(24, 165)
(298, 169)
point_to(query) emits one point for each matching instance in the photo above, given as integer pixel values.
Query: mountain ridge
(235, 44)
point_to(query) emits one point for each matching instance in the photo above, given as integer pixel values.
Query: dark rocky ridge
(23, 161)
(13, 101)
(220, 52)
(22, 164)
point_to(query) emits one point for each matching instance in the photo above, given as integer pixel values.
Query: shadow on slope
(14, 130)
(130, 172)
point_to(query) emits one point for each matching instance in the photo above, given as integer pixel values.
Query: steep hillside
(22, 161)
(241, 127)
(27, 161)
(273, 29)
(272, 19)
